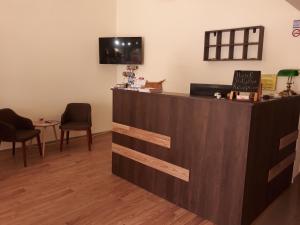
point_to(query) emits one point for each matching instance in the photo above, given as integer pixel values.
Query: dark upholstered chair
(14, 128)
(77, 117)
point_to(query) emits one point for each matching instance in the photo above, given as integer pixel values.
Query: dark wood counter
(224, 160)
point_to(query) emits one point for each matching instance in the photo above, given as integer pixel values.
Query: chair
(14, 128)
(77, 117)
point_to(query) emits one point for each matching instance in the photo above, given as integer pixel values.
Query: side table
(43, 125)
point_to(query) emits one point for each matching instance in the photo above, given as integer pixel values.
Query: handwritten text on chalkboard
(246, 81)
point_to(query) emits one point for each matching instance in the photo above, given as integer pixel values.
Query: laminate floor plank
(76, 187)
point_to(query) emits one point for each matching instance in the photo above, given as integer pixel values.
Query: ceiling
(295, 3)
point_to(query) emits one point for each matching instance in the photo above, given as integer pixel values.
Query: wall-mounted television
(121, 50)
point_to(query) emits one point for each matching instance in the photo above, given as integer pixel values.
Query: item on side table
(218, 95)
(209, 89)
(150, 90)
(243, 96)
(139, 83)
(290, 73)
(130, 78)
(268, 82)
(266, 97)
(130, 75)
(124, 85)
(152, 87)
(248, 82)
(156, 85)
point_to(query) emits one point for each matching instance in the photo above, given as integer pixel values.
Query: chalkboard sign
(246, 81)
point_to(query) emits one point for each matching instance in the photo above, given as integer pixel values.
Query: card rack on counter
(244, 43)
(246, 81)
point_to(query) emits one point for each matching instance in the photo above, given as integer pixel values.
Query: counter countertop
(206, 98)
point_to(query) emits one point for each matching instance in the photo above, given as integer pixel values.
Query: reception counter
(223, 160)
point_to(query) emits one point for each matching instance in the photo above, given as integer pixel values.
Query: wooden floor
(285, 210)
(76, 187)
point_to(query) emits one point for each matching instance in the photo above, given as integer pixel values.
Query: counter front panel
(200, 153)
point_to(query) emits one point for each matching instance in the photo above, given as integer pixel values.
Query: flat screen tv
(121, 50)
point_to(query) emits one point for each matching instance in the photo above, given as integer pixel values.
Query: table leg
(44, 140)
(55, 134)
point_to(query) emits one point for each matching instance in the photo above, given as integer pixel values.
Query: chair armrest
(7, 131)
(24, 123)
(90, 119)
(63, 118)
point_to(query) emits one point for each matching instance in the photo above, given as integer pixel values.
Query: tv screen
(121, 50)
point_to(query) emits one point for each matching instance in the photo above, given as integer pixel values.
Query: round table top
(45, 123)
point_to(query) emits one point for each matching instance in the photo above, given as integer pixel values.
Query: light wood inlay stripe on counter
(276, 170)
(155, 163)
(288, 139)
(148, 136)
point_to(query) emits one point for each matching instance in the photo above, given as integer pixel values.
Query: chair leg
(91, 137)
(39, 145)
(62, 135)
(88, 132)
(68, 136)
(14, 148)
(24, 153)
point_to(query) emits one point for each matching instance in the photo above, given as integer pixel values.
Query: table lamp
(290, 73)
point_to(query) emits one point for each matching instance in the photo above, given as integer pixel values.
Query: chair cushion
(75, 126)
(24, 135)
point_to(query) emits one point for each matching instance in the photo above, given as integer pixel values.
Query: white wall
(173, 32)
(49, 57)
(174, 37)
